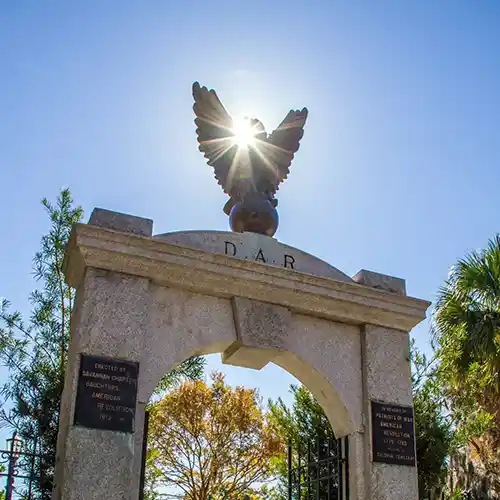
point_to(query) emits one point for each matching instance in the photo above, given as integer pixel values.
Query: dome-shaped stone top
(255, 247)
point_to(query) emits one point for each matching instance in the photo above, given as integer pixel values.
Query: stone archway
(155, 301)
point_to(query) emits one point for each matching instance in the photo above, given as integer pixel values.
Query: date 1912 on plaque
(107, 394)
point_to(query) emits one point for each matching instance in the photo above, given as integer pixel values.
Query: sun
(244, 133)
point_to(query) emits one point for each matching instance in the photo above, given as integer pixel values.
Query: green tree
(434, 436)
(35, 351)
(302, 427)
(305, 421)
(466, 333)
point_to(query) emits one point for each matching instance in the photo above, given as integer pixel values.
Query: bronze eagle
(249, 173)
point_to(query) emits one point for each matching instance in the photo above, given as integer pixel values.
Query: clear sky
(398, 171)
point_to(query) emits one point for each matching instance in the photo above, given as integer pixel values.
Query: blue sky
(398, 171)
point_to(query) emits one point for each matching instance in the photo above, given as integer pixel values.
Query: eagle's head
(256, 125)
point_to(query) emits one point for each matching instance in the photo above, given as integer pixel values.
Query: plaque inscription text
(393, 434)
(107, 393)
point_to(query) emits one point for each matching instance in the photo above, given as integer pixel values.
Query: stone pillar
(110, 318)
(90, 459)
(386, 378)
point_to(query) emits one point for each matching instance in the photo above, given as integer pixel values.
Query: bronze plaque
(393, 434)
(107, 393)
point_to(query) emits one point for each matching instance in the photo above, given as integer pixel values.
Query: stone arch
(184, 324)
(155, 302)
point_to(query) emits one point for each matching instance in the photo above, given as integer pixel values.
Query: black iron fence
(319, 470)
(22, 467)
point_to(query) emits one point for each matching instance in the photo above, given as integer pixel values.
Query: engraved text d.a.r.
(284, 260)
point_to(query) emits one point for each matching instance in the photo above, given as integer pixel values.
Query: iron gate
(25, 469)
(319, 470)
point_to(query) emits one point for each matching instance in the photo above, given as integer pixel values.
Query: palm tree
(468, 309)
(466, 332)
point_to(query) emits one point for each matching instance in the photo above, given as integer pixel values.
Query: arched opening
(312, 462)
(204, 326)
(320, 354)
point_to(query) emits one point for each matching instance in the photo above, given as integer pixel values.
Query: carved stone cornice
(223, 276)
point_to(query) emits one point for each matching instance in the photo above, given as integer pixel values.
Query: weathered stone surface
(119, 334)
(387, 362)
(359, 466)
(219, 275)
(259, 324)
(121, 222)
(390, 482)
(102, 471)
(182, 324)
(325, 356)
(110, 318)
(387, 379)
(261, 331)
(257, 248)
(151, 301)
(381, 281)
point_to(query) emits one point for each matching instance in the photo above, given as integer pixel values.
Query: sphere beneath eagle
(254, 215)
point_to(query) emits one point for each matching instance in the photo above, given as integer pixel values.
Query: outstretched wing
(284, 143)
(215, 135)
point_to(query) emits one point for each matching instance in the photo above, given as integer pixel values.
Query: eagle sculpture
(248, 162)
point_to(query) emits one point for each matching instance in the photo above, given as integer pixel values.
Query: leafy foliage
(434, 436)
(305, 422)
(35, 352)
(466, 333)
(302, 425)
(209, 442)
